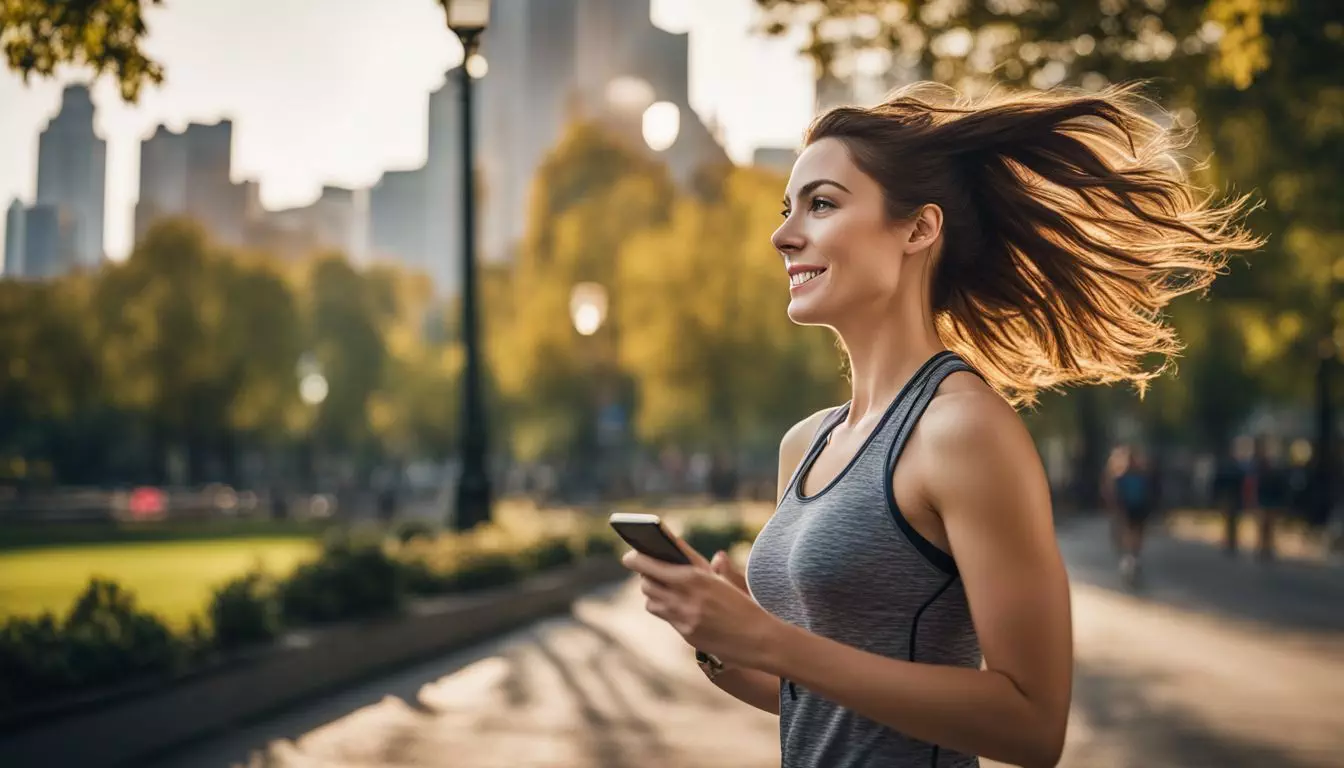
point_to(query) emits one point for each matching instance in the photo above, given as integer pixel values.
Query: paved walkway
(1214, 663)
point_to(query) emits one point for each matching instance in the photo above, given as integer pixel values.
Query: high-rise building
(50, 234)
(550, 62)
(333, 222)
(189, 174)
(72, 175)
(15, 218)
(397, 219)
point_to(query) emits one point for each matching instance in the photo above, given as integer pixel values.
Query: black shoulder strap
(920, 401)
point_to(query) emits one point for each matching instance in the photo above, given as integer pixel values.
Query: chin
(807, 311)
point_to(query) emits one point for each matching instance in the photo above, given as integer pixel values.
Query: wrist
(770, 653)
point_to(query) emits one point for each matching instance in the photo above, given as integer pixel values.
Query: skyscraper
(15, 217)
(72, 174)
(189, 174)
(550, 62)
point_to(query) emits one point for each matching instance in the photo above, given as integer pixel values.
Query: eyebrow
(811, 186)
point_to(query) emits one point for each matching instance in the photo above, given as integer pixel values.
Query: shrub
(548, 553)
(599, 544)
(105, 639)
(421, 578)
(347, 581)
(415, 529)
(708, 539)
(483, 570)
(245, 611)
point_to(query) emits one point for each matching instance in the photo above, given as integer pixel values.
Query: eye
(784, 213)
(821, 204)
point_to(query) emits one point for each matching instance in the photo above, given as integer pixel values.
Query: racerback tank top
(844, 563)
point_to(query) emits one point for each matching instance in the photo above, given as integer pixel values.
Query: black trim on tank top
(914, 636)
(823, 437)
(930, 551)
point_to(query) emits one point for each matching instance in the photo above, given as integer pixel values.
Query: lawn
(172, 578)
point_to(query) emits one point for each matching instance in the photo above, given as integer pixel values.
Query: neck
(886, 347)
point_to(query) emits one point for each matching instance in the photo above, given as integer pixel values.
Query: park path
(1213, 662)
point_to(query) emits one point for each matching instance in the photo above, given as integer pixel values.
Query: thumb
(723, 565)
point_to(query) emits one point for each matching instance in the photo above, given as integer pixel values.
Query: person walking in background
(907, 603)
(1266, 491)
(1130, 495)
(1230, 491)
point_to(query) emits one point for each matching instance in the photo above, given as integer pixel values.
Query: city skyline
(270, 145)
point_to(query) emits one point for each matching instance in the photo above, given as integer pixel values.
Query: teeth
(803, 277)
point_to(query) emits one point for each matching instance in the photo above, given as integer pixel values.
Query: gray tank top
(844, 563)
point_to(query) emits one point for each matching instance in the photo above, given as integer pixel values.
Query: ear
(928, 226)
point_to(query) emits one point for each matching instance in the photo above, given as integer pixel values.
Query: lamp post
(468, 19)
(588, 311)
(313, 390)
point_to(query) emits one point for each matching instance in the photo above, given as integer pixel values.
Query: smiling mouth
(803, 277)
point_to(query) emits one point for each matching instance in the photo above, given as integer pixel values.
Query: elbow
(1045, 748)
(1036, 744)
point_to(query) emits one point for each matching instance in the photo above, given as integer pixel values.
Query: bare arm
(982, 475)
(757, 688)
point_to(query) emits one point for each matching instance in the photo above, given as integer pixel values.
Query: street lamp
(313, 391)
(468, 20)
(588, 307)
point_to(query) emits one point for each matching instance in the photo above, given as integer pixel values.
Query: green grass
(172, 578)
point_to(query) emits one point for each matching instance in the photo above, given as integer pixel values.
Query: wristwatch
(709, 664)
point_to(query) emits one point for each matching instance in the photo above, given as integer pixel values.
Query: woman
(908, 605)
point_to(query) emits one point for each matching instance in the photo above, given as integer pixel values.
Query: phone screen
(649, 538)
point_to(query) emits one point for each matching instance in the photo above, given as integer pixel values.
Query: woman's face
(843, 255)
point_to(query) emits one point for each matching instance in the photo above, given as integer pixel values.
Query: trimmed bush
(549, 553)
(347, 582)
(105, 639)
(484, 570)
(600, 544)
(708, 539)
(245, 612)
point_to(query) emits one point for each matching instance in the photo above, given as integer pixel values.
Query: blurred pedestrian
(1130, 495)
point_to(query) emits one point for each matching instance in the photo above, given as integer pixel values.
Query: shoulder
(974, 446)
(800, 435)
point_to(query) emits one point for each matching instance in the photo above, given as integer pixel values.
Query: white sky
(336, 92)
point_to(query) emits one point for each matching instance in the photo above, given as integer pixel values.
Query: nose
(788, 240)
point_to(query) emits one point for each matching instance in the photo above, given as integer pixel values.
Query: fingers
(724, 566)
(653, 568)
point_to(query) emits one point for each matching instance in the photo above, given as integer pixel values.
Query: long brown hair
(1068, 226)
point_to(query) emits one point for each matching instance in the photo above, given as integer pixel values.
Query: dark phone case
(650, 539)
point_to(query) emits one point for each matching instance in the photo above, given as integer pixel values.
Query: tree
(705, 334)
(591, 195)
(38, 36)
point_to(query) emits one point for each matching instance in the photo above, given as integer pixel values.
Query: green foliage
(709, 538)
(549, 553)
(484, 570)
(245, 612)
(105, 639)
(347, 581)
(39, 36)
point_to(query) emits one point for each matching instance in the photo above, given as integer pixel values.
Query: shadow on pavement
(1201, 578)
(249, 741)
(1151, 733)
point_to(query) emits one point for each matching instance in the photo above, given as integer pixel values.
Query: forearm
(968, 710)
(752, 686)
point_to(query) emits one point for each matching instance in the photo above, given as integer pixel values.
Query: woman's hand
(707, 603)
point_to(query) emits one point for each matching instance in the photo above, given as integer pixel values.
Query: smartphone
(647, 535)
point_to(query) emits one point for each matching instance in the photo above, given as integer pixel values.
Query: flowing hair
(1069, 225)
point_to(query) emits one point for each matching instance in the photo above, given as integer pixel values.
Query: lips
(800, 275)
